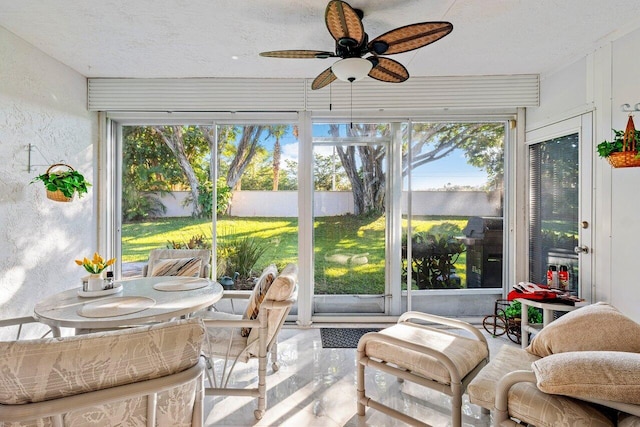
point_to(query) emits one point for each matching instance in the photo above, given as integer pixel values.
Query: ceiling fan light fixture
(351, 69)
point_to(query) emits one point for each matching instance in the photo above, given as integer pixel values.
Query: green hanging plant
(62, 185)
(622, 152)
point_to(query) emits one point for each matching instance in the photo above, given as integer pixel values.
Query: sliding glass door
(376, 206)
(169, 176)
(350, 167)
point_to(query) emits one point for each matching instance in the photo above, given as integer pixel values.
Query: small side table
(547, 316)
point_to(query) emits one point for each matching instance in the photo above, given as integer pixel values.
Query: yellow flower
(95, 265)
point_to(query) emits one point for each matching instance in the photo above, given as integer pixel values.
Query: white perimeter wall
(601, 82)
(331, 203)
(44, 103)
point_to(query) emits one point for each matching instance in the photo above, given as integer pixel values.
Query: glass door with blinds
(559, 210)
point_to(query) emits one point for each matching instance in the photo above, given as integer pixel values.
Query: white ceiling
(200, 38)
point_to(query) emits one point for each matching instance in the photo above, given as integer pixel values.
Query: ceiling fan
(352, 44)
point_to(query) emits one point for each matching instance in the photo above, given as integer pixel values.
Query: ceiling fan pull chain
(351, 86)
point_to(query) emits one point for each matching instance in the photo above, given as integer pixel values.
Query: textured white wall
(42, 102)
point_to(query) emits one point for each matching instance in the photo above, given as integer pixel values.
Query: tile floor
(317, 387)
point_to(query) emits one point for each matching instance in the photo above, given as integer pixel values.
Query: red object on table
(543, 295)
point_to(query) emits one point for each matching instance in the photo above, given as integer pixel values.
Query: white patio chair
(227, 341)
(152, 375)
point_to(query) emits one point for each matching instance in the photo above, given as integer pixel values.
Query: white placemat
(116, 306)
(181, 285)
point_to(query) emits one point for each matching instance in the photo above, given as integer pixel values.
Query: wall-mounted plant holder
(31, 167)
(627, 108)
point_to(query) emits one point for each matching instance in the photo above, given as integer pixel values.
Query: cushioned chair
(178, 262)
(152, 375)
(590, 355)
(423, 354)
(239, 338)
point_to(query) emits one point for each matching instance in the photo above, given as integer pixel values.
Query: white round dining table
(138, 303)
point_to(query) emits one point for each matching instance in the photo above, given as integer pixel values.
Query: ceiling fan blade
(409, 37)
(387, 70)
(324, 78)
(344, 24)
(302, 54)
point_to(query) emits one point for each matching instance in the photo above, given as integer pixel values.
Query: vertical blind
(553, 205)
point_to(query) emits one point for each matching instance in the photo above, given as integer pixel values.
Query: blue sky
(451, 170)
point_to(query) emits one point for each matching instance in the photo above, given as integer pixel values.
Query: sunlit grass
(349, 250)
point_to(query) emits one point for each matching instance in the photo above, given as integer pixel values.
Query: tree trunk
(245, 151)
(276, 164)
(172, 137)
(347, 157)
(368, 182)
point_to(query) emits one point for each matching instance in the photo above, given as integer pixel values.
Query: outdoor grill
(483, 238)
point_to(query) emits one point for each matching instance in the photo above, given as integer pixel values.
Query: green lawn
(349, 250)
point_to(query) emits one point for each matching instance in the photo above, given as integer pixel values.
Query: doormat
(342, 337)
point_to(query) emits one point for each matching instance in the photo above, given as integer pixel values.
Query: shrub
(434, 254)
(198, 241)
(239, 254)
(139, 205)
(205, 198)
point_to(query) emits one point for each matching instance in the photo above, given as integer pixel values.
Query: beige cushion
(597, 327)
(482, 390)
(465, 353)
(37, 370)
(282, 288)
(532, 406)
(626, 420)
(605, 375)
(189, 267)
(258, 294)
(160, 254)
(526, 402)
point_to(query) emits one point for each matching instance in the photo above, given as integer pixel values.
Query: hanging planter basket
(624, 159)
(628, 157)
(57, 195)
(62, 182)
